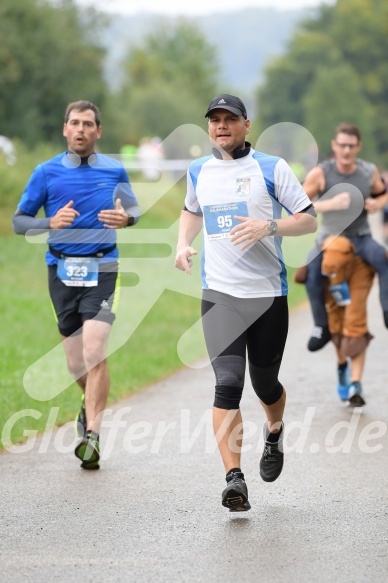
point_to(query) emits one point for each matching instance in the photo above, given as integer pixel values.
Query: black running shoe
(80, 420)
(235, 495)
(356, 395)
(320, 336)
(88, 451)
(271, 463)
(242, 508)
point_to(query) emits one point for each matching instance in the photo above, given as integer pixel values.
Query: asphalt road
(153, 512)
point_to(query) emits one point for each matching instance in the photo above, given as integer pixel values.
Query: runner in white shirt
(238, 196)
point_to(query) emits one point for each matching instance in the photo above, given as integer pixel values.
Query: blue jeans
(370, 251)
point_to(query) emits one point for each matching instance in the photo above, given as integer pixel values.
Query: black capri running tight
(234, 327)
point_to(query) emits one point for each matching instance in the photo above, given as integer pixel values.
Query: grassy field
(158, 306)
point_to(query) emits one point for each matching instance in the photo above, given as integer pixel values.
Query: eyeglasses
(350, 146)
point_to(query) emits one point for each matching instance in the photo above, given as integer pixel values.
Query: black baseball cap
(229, 102)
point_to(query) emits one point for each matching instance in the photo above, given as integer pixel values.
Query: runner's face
(81, 132)
(227, 130)
(346, 149)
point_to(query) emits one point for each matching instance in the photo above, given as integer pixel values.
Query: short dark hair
(349, 129)
(83, 106)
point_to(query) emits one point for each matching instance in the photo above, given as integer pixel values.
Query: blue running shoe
(356, 396)
(343, 382)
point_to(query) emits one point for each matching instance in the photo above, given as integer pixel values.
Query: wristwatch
(273, 226)
(131, 220)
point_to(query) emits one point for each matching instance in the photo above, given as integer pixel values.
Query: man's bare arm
(189, 227)
(315, 184)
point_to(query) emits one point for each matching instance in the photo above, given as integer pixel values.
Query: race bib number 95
(219, 218)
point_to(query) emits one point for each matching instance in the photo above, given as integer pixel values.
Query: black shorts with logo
(74, 305)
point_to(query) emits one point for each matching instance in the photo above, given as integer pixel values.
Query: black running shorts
(74, 305)
(235, 326)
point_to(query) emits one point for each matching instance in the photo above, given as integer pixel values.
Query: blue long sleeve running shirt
(94, 185)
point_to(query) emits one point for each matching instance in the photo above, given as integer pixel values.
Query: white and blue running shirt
(258, 186)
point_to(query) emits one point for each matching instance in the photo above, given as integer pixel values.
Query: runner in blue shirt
(86, 196)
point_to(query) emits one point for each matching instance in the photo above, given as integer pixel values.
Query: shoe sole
(357, 400)
(88, 455)
(90, 466)
(234, 499)
(244, 508)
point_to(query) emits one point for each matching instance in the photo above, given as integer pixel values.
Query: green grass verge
(144, 348)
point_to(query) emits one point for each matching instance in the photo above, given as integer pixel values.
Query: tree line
(335, 69)
(51, 53)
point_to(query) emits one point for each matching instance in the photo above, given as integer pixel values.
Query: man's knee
(375, 255)
(93, 356)
(266, 384)
(95, 340)
(230, 375)
(76, 366)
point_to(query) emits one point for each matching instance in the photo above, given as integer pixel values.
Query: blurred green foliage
(52, 53)
(335, 70)
(48, 57)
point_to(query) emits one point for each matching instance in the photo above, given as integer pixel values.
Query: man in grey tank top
(345, 189)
